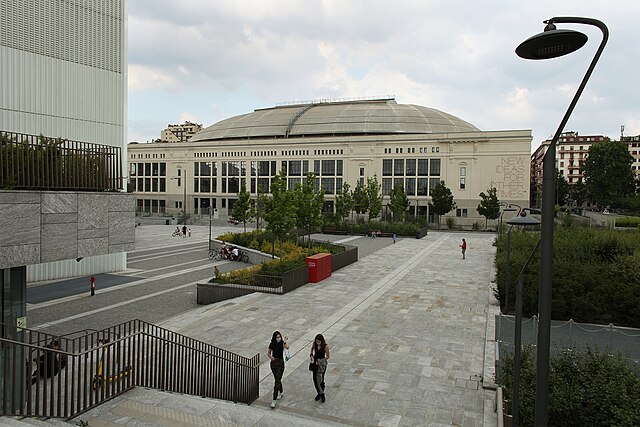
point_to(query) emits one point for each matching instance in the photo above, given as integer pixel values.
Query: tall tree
(489, 206)
(562, 189)
(374, 196)
(578, 193)
(242, 206)
(360, 199)
(261, 202)
(398, 203)
(442, 200)
(607, 173)
(280, 209)
(344, 202)
(309, 205)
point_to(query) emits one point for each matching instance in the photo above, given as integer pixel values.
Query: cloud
(232, 57)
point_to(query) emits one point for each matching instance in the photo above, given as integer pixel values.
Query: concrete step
(29, 421)
(154, 407)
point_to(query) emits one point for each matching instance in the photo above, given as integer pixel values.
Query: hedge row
(595, 277)
(588, 388)
(628, 221)
(401, 229)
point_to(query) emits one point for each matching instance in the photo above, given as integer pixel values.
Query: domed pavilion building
(340, 141)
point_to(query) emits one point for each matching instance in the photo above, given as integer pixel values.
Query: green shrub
(451, 222)
(589, 388)
(476, 226)
(595, 275)
(628, 221)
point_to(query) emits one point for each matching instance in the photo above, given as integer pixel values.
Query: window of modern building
(387, 185)
(387, 168)
(410, 186)
(463, 183)
(398, 167)
(461, 213)
(423, 167)
(435, 167)
(423, 186)
(328, 167)
(411, 167)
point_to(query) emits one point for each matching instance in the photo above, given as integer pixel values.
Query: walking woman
(319, 356)
(276, 355)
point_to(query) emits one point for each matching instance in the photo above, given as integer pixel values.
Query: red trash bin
(319, 267)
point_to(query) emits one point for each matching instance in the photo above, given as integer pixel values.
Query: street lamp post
(184, 198)
(517, 341)
(553, 43)
(507, 208)
(506, 272)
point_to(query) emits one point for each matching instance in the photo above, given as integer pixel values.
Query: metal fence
(31, 162)
(63, 376)
(571, 335)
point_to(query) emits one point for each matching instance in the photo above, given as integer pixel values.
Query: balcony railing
(30, 162)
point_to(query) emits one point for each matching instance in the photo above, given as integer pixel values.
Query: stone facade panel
(93, 211)
(125, 247)
(94, 246)
(22, 222)
(121, 228)
(13, 256)
(60, 218)
(55, 202)
(19, 197)
(94, 233)
(59, 241)
(122, 202)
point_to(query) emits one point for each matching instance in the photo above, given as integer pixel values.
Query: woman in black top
(319, 356)
(276, 355)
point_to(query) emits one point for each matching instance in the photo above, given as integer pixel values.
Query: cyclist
(235, 254)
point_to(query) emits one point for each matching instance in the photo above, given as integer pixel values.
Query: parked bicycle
(176, 233)
(220, 255)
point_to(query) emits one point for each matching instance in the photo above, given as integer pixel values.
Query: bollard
(93, 285)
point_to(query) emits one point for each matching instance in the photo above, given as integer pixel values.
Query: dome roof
(373, 117)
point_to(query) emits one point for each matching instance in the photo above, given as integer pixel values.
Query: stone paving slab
(407, 326)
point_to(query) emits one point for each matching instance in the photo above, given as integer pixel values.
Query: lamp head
(551, 43)
(523, 220)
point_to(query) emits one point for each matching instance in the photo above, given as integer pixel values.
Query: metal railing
(567, 335)
(64, 376)
(31, 162)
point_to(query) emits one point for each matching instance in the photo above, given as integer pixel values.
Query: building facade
(180, 133)
(572, 150)
(633, 143)
(63, 75)
(341, 142)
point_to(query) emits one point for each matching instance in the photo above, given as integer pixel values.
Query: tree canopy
(562, 189)
(309, 204)
(280, 209)
(374, 197)
(399, 203)
(489, 206)
(242, 211)
(607, 173)
(344, 202)
(360, 199)
(442, 200)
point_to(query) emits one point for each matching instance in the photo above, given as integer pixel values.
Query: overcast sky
(207, 60)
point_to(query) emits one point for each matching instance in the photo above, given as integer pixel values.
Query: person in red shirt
(464, 247)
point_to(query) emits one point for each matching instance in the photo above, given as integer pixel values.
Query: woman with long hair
(276, 355)
(318, 357)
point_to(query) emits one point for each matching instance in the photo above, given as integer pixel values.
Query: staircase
(48, 376)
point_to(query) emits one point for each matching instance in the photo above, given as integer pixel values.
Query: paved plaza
(410, 330)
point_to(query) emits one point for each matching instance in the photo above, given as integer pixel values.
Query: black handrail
(67, 377)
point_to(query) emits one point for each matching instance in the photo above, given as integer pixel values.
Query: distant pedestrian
(276, 355)
(189, 231)
(216, 272)
(394, 238)
(318, 357)
(463, 246)
(184, 231)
